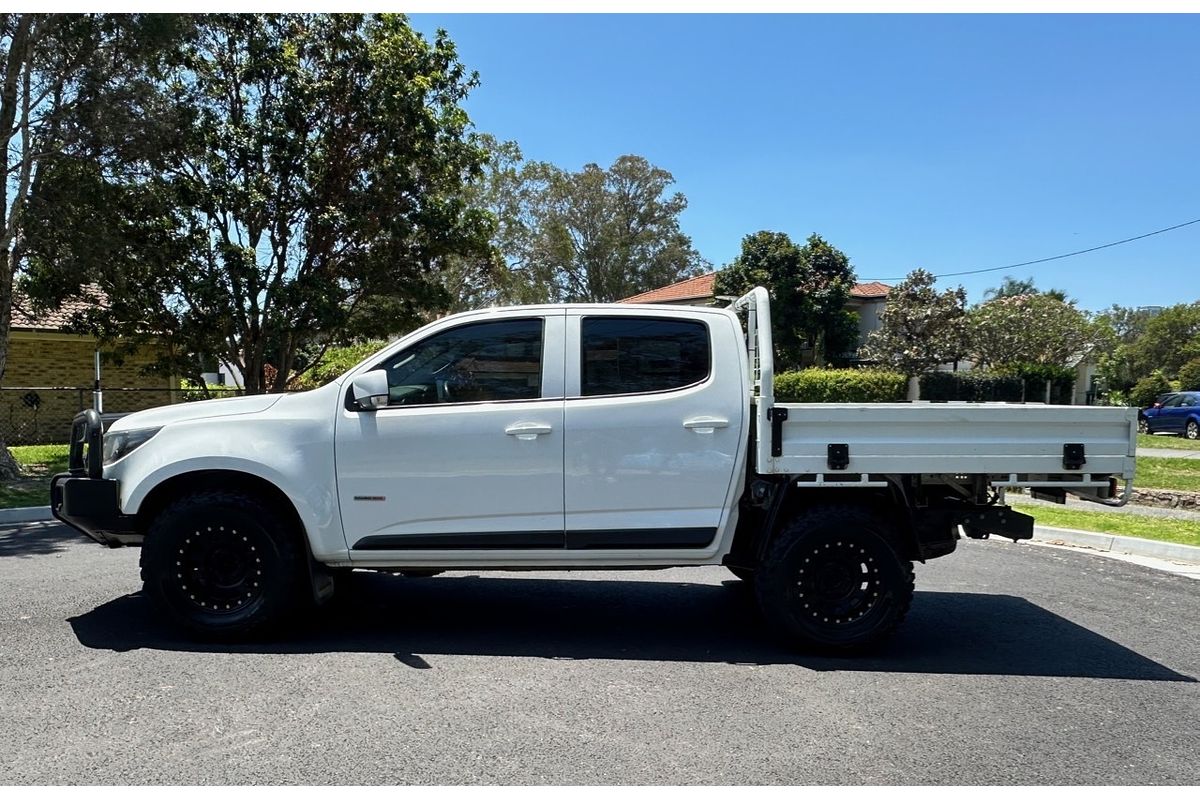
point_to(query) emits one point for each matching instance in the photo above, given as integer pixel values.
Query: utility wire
(1052, 258)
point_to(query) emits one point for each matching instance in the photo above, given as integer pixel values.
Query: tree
(62, 79)
(599, 235)
(809, 289)
(1171, 338)
(313, 166)
(1011, 287)
(920, 327)
(1030, 329)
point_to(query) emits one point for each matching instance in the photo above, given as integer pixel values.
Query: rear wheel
(833, 581)
(1192, 431)
(223, 565)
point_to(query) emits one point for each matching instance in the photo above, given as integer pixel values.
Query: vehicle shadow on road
(419, 619)
(36, 538)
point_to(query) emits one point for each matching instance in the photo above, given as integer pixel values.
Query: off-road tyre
(833, 581)
(225, 565)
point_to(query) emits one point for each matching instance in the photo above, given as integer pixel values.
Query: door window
(477, 362)
(633, 355)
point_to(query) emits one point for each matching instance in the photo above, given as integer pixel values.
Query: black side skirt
(620, 539)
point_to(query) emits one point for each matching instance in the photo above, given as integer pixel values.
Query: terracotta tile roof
(701, 287)
(697, 288)
(24, 316)
(872, 289)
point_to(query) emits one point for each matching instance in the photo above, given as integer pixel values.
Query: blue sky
(945, 142)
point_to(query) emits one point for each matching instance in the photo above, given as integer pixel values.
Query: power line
(1052, 258)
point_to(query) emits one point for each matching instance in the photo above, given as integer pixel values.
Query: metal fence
(42, 414)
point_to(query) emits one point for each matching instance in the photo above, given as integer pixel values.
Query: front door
(467, 455)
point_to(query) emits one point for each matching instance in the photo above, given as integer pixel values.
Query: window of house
(633, 355)
(477, 362)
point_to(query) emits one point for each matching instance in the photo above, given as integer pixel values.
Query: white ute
(565, 437)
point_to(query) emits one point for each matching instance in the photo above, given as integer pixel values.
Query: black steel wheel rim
(219, 568)
(838, 584)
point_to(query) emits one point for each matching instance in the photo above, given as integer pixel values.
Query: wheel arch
(756, 531)
(176, 486)
(186, 483)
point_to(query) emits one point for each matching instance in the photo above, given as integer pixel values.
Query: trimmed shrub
(1189, 376)
(191, 391)
(1146, 391)
(1034, 376)
(333, 363)
(816, 385)
(972, 386)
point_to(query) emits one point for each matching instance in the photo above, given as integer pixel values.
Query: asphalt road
(1018, 664)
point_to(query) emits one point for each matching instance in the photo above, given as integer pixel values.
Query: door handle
(705, 424)
(527, 431)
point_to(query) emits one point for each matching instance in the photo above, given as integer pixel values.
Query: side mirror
(370, 390)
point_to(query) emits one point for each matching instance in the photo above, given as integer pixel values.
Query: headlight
(122, 443)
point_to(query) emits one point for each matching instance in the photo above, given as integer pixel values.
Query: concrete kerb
(1111, 543)
(27, 514)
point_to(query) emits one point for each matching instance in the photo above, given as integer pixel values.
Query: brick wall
(54, 359)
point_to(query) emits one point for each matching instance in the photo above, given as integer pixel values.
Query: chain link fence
(42, 414)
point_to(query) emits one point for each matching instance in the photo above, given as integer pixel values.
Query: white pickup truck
(573, 437)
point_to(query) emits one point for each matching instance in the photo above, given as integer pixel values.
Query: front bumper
(92, 506)
(82, 498)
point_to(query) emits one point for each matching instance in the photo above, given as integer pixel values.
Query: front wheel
(1143, 425)
(223, 564)
(833, 581)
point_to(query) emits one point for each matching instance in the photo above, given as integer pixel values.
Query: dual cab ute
(573, 437)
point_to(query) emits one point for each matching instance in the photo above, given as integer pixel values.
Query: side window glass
(477, 362)
(1174, 402)
(1187, 401)
(632, 355)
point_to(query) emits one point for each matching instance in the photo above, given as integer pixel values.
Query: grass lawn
(1163, 529)
(1168, 473)
(1167, 442)
(39, 461)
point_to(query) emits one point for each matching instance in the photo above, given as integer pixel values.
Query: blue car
(1178, 413)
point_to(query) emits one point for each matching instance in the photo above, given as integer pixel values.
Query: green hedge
(1146, 391)
(334, 362)
(1062, 381)
(972, 386)
(1189, 376)
(840, 386)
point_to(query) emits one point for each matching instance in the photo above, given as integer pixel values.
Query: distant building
(866, 299)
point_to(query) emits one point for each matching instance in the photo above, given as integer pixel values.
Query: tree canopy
(302, 167)
(920, 326)
(809, 286)
(600, 235)
(1030, 329)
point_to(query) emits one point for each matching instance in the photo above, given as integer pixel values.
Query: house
(866, 299)
(50, 375)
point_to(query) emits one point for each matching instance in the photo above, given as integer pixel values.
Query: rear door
(653, 423)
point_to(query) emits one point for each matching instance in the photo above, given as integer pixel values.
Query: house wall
(869, 316)
(49, 377)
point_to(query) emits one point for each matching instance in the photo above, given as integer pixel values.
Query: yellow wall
(38, 360)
